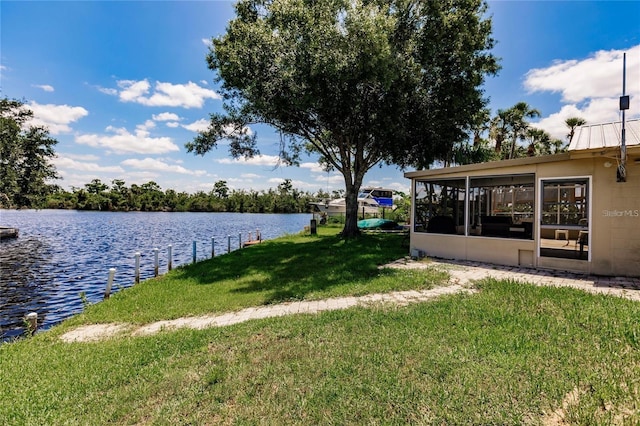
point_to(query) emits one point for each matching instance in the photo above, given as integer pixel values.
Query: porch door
(565, 224)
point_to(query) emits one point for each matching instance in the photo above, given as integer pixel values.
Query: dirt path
(463, 274)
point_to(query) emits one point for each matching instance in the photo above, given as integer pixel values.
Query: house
(568, 211)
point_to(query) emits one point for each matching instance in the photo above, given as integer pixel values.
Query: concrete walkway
(463, 274)
(466, 272)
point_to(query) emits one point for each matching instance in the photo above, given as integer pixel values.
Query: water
(63, 253)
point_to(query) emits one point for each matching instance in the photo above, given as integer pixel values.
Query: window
(440, 206)
(564, 218)
(564, 202)
(502, 206)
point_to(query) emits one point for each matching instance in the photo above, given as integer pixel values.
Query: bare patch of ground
(94, 332)
(559, 416)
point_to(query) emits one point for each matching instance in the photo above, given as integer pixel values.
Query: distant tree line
(26, 169)
(149, 196)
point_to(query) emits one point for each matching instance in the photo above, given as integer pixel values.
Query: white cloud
(157, 165)
(188, 95)
(399, 186)
(80, 157)
(597, 76)
(144, 128)
(601, 110)
(171, 160)
(143, 177)
(250, 176)
(65, 162)
(235, 180)
(45, 87)
(165, 116)
(207, 42)
(122, 141)
(203, 124)
(313, 167)
(204, 82)
(173, 124)
(197, 126)
(108, 91)
(55, 117)
(258, 160)
(334, 179)
(77, 180)
(590, 88)
(297, 184)
(133, 90)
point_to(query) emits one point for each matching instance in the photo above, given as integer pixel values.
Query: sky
(124, 85)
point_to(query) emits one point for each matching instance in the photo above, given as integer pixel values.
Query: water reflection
(26, 279)
(62, 253)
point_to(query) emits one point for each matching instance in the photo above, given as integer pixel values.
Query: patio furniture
(441, 225)
(583, 240)
(562, 232)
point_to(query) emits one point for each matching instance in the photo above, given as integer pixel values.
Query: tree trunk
(351, 214)
(512, 153)
(353, 170)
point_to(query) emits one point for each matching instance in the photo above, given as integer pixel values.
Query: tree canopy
(355, 82)
(25, 153)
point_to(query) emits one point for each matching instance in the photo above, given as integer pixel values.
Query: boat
(383, 196)
(370, 201)
(8, 232)
(338, 207)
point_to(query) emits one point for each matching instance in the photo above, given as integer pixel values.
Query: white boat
(370, 201)
(338, 207)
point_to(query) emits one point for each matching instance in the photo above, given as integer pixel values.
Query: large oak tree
(358, 82)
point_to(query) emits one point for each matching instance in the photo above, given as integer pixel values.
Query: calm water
(61, 253)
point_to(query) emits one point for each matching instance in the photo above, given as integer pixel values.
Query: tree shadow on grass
(287, 269)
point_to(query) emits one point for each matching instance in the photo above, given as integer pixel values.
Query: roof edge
(489, 165)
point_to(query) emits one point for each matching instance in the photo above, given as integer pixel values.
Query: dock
(8, 232)
(251, 243)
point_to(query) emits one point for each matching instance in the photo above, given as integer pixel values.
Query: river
(61, 254)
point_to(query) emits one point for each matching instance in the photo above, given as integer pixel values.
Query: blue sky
(124, 85)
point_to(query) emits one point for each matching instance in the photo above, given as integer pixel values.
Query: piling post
(213, 247)
(193, 252)
(258, 236)
(240, 240)
(155, 261)
(137, 277)
(229, 244)
(32, 322)
(170, 256)
(107, 291)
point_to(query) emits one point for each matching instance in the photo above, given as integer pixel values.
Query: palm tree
(499, 129)
(518, 123)
(481, 123)
(573, 123)
(539, 142)
(511, 124)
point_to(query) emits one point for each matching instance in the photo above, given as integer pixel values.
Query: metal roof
(603, 136)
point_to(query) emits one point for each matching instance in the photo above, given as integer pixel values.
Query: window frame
(588, 179)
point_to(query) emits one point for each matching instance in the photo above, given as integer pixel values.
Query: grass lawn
(509, 354)
(295, 267)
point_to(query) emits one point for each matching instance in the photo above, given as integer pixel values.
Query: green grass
(294, 267)
(505, 355)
